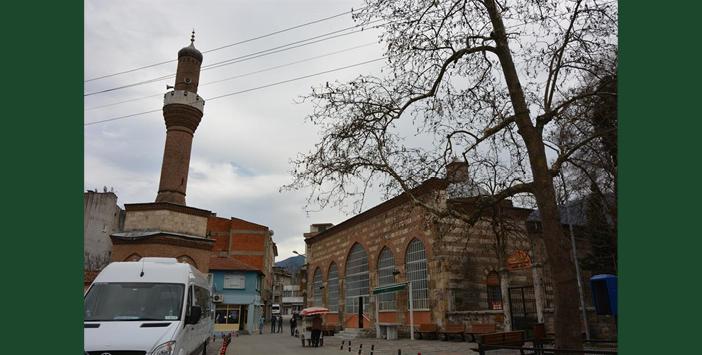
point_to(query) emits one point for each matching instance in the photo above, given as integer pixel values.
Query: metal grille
(386, 266)
(494, 292)
(494, 297)
(333, 289)
(356, 279)
(416, 266)
(317, 288)
(522, 304)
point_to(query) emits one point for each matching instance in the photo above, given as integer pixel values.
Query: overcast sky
(242, 148)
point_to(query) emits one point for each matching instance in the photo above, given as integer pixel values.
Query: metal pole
(377, 326)
(411, 311)
(575, 261)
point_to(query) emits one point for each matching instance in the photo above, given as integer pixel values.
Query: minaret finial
(192, 38)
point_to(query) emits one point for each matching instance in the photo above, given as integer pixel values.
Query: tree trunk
(567, 317)
(538, 291)
(504, 289)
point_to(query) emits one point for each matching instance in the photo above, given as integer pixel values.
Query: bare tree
(481, 79)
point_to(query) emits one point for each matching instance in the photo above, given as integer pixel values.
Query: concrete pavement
(283, 343)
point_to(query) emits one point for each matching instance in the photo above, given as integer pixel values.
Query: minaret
(182, 111)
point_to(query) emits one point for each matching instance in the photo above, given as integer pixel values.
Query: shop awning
(389, 288)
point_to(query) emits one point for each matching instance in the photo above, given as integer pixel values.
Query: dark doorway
(522, 304)
(243, 318)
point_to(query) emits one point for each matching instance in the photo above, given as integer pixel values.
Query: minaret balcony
(184, 97)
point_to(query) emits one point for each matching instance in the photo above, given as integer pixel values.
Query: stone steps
(353, 333)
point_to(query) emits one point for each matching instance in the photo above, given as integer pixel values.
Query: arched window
(494, 293)
(186, 260)
(386, 268)
(416, 267)
(356, 284)
(333, 289)
(317, 288)
(133, 257)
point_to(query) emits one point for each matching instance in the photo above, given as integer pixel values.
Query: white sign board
(234, 281)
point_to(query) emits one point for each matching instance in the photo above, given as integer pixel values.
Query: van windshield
(133, 301)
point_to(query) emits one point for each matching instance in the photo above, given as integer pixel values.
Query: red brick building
(248, 243)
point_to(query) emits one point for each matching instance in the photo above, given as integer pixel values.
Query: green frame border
(659, 177)
(43, 177)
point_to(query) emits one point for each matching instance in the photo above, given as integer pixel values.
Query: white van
(155, 306)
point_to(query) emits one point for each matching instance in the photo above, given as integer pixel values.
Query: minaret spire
(182, 111)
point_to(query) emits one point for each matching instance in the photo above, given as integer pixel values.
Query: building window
(227, 314)
(416, 268)
(356, 285)
(386, 268)
(317, 288)
(333, 288)
(494, 292)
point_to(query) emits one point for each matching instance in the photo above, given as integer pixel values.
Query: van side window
(202, 297)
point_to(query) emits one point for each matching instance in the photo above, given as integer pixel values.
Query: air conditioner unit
(217, 298)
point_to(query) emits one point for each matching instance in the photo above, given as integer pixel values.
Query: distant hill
(292, 264)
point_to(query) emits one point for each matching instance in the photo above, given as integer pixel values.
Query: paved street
(283, 343)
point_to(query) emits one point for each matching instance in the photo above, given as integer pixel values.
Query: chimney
(457, 171)
(317, 228)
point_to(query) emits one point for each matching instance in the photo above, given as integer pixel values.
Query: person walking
(273, 320)
(293, 324)
(280, 324)
(260, 324)
(316, 330)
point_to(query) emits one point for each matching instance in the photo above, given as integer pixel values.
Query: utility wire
(228, 45)
(242, 91)
(244, 57)
(121, 117)
(239, 76)
(294, 79)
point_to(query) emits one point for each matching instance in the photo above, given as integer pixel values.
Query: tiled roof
(224, 263)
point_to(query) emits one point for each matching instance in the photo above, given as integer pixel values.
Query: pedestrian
(316, 330)
(280, 324)
(293, 325)
(260, 325)
(272, 324)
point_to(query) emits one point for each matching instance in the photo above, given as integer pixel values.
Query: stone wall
(459, 260)
(200, 258)
(166, 220)
(394, 228)
(101, 217)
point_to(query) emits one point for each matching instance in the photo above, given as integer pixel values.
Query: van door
(189, 330)
(205, 324)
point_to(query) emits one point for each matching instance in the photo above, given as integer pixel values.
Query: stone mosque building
(454, 270)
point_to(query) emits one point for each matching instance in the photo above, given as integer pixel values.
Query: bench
(481, 329)
(514, 338)
(427, 328)
(454, 329)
